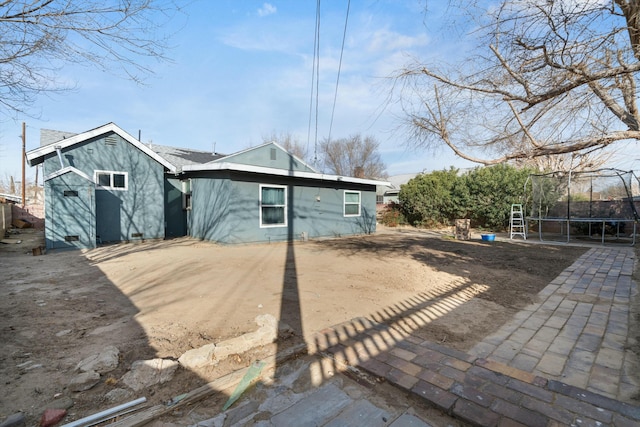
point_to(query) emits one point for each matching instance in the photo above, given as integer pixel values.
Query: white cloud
(267, 9)
(384, 40)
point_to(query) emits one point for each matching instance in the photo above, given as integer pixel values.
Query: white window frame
(344, 203)
(284, 206)
(111, 175)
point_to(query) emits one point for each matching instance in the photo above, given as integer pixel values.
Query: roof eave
(278, 172)
(36, 156)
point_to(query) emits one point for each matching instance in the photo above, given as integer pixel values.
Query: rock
(84, 381)
(103, 362)
(266, 320)
(52, 417)
(15, 420)
(62, 403)
(118, 395)
(145, 373)
(63, 333)
(198, 357)
(268, 330)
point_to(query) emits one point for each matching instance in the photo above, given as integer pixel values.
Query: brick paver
(586, 330)
(560, 361)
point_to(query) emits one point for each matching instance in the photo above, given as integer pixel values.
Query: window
(351, 203)
(70, 193)
(273, 206)
(108, 180)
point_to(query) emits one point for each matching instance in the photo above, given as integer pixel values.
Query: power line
(335, 95)
(315, 77)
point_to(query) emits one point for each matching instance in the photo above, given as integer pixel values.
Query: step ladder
(517, 225)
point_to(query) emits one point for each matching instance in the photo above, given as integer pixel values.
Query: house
(104, 185)
(388, 192)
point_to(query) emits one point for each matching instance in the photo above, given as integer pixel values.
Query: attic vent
(71, 238)
(111, 140)
(273, 154)
(70, 193)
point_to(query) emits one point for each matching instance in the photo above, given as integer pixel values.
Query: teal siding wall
(69, 212)
(120, 214)
(262, 156)
(226, 209)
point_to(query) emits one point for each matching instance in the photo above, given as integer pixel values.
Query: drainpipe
(59, 151)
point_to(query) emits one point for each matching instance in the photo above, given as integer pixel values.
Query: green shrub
(484, 195)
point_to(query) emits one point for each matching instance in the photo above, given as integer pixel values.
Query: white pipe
(59, 151)
(105, 415)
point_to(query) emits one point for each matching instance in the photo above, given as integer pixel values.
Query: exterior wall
(226, 209)
(261, 156)
(121, 215)
(70, 214)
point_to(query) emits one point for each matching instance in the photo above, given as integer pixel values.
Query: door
(108, 217)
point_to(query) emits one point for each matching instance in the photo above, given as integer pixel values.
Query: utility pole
(24, 156)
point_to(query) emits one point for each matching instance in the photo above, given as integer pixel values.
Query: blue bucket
(488, 237)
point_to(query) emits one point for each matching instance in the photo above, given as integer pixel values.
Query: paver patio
(562, 360)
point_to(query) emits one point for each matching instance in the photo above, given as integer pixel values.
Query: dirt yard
(159, 299)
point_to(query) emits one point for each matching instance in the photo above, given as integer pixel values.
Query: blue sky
(241, 70)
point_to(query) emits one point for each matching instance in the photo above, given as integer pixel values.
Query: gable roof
(240, 156)
(36, 156)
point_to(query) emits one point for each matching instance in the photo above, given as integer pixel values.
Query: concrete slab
(407, 420)
(361, 413)
(316, 409)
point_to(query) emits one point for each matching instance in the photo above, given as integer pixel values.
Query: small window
(351, 203)
(273, 206)
(118, 180)
(108, 180)
(70, 193)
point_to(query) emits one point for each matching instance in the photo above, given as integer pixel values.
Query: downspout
(59, 151)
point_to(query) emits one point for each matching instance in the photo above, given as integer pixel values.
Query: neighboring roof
(37, 155)
(180, 157)
(398, 180)
(394, 183)
(223, 165)
(49, 136)
(11, 197)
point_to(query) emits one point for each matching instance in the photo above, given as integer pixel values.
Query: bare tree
(37, 37)
(290, 143)
(548, 78)
(353, 156)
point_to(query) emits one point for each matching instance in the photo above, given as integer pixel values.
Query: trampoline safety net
(601, 205)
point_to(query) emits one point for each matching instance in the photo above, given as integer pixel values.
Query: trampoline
(600, 206)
